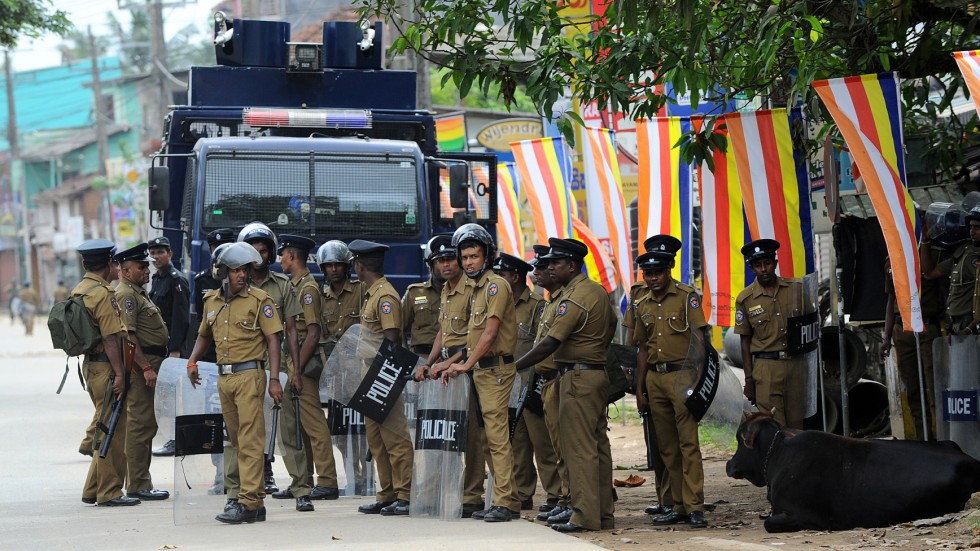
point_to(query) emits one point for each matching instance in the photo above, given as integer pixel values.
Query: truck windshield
(340, 196)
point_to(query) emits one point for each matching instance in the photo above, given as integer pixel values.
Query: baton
(299, 428)
(271, 448)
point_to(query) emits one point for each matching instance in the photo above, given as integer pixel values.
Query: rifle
(270, 452)
(129, 355)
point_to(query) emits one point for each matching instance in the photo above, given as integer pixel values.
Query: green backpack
(72, 327)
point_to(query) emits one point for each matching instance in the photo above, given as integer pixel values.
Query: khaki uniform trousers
(779, 386)
(242, 397)
(140, 430)
(494, 386)
(317, 444)
(907, 360)
(551, 398)
(104, 481)
(532, 446)
(475, 458)
(585, 447)
(393, 454)
(661, 479)
(677, 437)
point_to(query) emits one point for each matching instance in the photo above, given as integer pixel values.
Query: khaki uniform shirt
(962, 270)
(764, 317)
(340, 312)
(420, 313)
(529, 308)
(278, 288)
(30, 296)
(141, 316)
(637, 292)
(305, 295)
(547, 365)
(382, 308)
(239, 326)
(492, 298)
(665, 327)
(584, 322)
(100, 300)
(454, 315)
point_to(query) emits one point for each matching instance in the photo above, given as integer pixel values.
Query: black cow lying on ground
(822, 481)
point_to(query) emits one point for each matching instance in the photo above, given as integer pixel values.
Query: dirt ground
(735, 514)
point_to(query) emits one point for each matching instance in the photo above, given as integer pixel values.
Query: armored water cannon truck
(311, 139)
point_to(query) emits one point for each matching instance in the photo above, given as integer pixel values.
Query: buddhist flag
(545, 169)
(969, 63)
(598, 266)
(509, 237)
(867, 112)
(723, 232)
(451, 132)
(604, 196)
(775, 186)
(664, 192)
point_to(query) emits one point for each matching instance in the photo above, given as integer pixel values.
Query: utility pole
(160, 99)
(100, 136)
(16, 176)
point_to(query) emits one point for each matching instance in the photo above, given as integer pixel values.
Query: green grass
(719, 436)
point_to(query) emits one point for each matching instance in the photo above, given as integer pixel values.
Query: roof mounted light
(306, 118)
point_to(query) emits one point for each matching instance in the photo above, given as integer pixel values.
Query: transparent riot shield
(803, 336)
(518, 398)
(356, 475)
(199, 435)
(165, 398)
(440, 441)
(940, 374)
(958, 408)
(716, 399)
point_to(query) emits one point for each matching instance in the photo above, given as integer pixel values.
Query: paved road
(42, 475)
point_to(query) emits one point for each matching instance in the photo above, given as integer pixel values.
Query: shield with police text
(440, 441)
(716, 398)
(356, 475)
(803, 339)
(957, 379)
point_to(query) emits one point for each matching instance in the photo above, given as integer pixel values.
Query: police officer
(343, 299)
(761, 313)
(667, 319)
(104, 370)
(276, 285)
(391, 447)
(171, 294)
(30, 301)
(147, 330)
(961, 268)
(531, 441)
(450, 346)
(61, 292)
(583, 327)
(304, 378)
(244, 326)
(420, 305)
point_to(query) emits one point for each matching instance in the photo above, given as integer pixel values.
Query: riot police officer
(420, 305)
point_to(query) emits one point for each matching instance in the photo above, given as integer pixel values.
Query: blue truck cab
(311, 139)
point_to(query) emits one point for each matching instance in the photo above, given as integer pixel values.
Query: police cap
(654, 261)
(540, 250)
(512, 264)
(159, 242)
(440, 246)
(96, 249)
(760, 248)
(221, 235)
(566, 248)
(137, 254)
(663, 245)
(300, 242)
(360, 247)
(974, 214)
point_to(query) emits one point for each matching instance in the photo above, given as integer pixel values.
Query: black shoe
(374, 508)
(548, 506)
(568, 527)
(303, 504)
(285, 493)
(88, 500)
(672, 517)
(165, 450)
(120, 502)
(697, 520)
(270, 485)
(499, 513)
(480, 514)
(260, 514)
(399, 508)
(561, 518)
(527, 504)
(151, 495)
(550, 513)
(230, 504)
(237, 514)
(83, 451)
(470, 508)
(322, 492)
(658, 509)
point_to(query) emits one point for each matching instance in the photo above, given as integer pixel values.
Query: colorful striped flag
(867, 111)
(723, 232)
(664, 191)
(545, 168)
(509, 237)
(451, 132)
(969, 63)
(598, 266)
(604, 195)
(775, 185)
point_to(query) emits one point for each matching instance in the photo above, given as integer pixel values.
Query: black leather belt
(452, 350)
(495, 361)
(770, 355)
(97, 357)
(664, 367)
(156, 351)
(565, 368)
(422, 349)
(228, 369)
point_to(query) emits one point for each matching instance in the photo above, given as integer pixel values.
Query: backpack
(72, 327)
